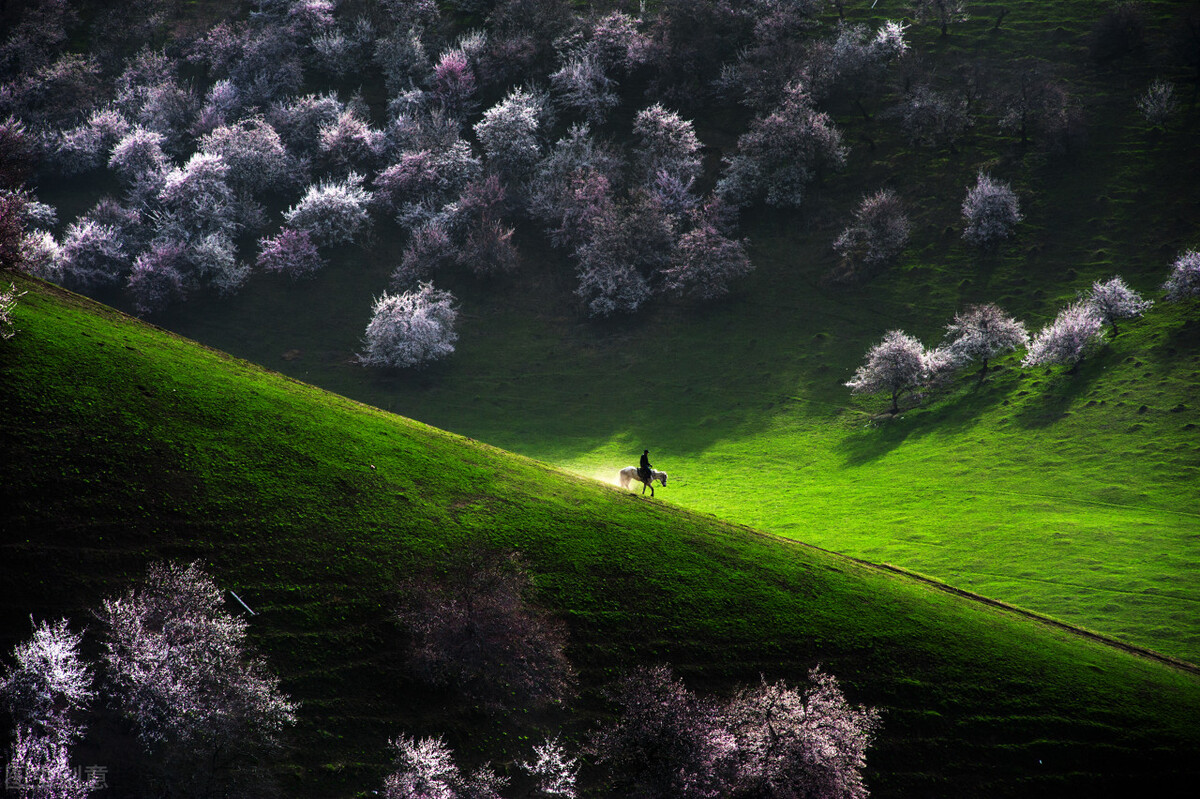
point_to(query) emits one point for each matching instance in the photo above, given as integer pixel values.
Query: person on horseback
(644, 467)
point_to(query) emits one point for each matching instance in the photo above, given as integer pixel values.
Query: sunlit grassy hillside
(124, 444)
(1073, 495)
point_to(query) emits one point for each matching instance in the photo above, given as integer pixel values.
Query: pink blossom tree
(429, 248)
(983, 332)
(582, 85)
(1114, 300)
(1076, 332)
(453, 84)
(782, 154)
(291, 253)
(705, 262)
(665, 741)
(410, 329)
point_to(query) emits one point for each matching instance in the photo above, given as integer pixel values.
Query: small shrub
(1159, 103)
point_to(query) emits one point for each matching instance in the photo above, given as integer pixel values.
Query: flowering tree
(898, 363)
(705, 262)
(581, 84)
(931, 118)
(350, 143)
(332, 212)
(666, 143)
(475, 628)
(50, 684)
(254, 154)
(453, 85)
(300, 120)
(213, 259)
(876, 235)
(782, 154)
(425, 769)
(1114, 300)
(487, 247)
(992, 211)
(1075, 333)
(428, 249)
(40, 765)
(420, 184)
(139, 154)
(617, 44)
(1158, 104)
(983, 332)
(157, 278)
(291, 253)
(793, 743)
(198, 199)
(1184, 280)
(508, 134)
(410, 329)
(666, 741)
(403, 59)
(624, 247)
(553, 770)
(576, 174)
(180, 670)
(93, 255)
(41, 256)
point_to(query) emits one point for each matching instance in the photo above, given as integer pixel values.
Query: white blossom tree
(254, 154)
(1158, 104)
(93, 255)
(158, 277)
(581, 84)
(666, 142)
(410, 329)
(180, 669)
(792, 742)
(333, 212)
(1075, 333)
(1114, 300)
(425, 769)
(138, 154)
(983, 332)
(992, 211)
(509, 134)
(1184, 280)
(896, 364)
(50, 685)
(40, 768)
(554, 771)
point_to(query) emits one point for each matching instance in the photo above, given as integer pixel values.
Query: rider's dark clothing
(644, 468)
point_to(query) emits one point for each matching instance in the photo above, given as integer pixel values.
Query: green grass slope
(1072, 495)
(123, 443)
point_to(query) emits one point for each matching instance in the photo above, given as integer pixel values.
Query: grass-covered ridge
(124, 444)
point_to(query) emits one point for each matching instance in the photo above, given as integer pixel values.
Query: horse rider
(644, 467)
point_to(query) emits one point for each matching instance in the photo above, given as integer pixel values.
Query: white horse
(630, 473)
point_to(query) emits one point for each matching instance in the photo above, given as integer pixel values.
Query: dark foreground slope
(122, 444)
